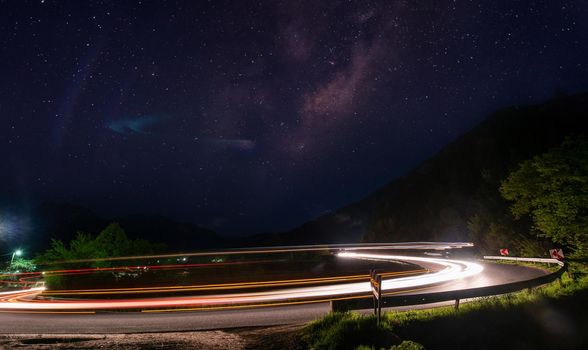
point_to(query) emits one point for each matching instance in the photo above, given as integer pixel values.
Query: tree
(111, 242)
(491, 232)
(22, 265)
(553, 189)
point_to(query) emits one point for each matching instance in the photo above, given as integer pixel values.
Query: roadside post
(376, 284)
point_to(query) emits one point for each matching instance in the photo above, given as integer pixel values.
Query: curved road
(23, 312)
(154, 321)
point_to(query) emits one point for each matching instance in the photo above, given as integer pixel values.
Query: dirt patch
(267, 338)
(180, 340)
(272, 338)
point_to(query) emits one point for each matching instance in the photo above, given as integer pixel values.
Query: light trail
(454, 269)
(23, 277)
(234, 286)
(27, 291)
(130, 268)
(291, 249)
(449, 270)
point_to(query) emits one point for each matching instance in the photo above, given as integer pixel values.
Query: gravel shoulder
(263, 338)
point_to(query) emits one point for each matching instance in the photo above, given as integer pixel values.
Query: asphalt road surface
(25, 322)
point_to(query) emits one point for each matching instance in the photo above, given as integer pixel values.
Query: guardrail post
(372, 277)
(457, 304)
(376, 286)
(379, 282)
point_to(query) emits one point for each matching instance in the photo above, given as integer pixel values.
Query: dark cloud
(137, 125)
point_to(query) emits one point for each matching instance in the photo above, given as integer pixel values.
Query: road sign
(376, 284)
(504, 252)
(556, 254)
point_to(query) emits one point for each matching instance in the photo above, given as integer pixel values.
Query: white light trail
(450, 270)
(453, 270)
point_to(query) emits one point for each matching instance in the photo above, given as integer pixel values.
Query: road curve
(440, 271)
(131, 322)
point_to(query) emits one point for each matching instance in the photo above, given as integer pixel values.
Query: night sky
(251, 116)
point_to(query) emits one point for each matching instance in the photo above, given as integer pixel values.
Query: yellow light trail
(449, 270)
(224, 286)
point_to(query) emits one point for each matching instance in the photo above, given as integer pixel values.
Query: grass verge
(548, 317)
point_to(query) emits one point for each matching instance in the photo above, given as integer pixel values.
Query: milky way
(251, 116)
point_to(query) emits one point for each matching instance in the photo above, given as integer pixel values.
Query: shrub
(347, 331)
(408, 345)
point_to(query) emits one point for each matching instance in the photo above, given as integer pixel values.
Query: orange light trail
(281, 292)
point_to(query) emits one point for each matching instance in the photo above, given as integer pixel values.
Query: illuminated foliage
(111, 242)
(22, 265)
(553, 189)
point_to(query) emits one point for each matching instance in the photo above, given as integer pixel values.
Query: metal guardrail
(434, 297)
(538, 260)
